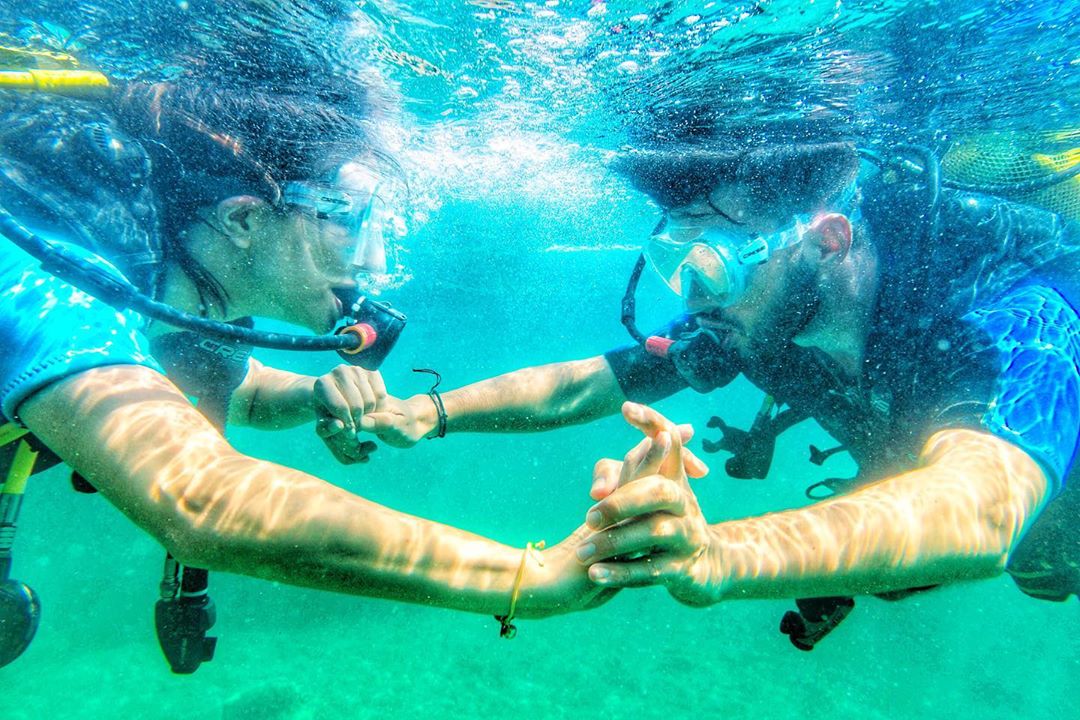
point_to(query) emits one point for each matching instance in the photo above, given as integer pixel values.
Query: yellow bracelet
(507, 629)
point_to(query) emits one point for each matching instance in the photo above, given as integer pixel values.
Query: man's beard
(788, 313)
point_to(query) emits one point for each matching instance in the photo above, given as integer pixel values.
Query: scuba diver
(928, 326)
(142, 225)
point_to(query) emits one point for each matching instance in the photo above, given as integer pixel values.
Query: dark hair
(207, 143)
(801, 176)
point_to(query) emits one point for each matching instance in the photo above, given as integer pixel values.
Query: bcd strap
(752, 450)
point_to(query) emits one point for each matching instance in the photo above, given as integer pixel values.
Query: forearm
(531, 399)
(955, 518)
(159, 461)
(267, 521)
(272, 399)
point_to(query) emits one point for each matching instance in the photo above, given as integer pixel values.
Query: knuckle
(664, 493)
(664, 528)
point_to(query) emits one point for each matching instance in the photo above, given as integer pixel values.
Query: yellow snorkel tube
(50, 72)
(72, 83)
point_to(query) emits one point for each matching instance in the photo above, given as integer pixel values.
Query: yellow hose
(22, 467)
(10, 432)
(76, 83)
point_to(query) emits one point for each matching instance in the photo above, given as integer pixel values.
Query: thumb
(328, 427)
(376, 421)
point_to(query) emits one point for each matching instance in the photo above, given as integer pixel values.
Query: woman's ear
(240, 218)
(829, 237)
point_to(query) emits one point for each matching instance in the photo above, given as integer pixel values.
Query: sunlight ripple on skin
(262, 502)
(776, 545)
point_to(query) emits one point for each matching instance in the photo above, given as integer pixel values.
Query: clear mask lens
(715, 260)
(361, 216)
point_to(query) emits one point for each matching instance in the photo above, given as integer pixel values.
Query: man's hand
(340, 399)
(401, 423)
(610, 474)
(648, 526)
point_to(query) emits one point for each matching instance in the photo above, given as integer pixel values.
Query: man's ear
(829, 237)
(240, 217)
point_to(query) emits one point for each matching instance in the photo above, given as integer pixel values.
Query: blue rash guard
(50, 330)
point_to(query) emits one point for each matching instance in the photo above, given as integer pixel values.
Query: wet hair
(208, 143)
(784, 177)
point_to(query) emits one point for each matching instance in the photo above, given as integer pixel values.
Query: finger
(655, 456)
(650, 535)
(671, 464)
(633, 459)
(356, 391)
(378, 386)
(349, 452)
(362, 381)
(647, 495)
(605, 478)
(364, 451)
(634, 573)
(376, 422)
(693, 465)
(646, 419)
(329, 397)
(327, 427)
(340, 453)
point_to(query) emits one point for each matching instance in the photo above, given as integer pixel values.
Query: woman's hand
(648, 528)
(402, 423)
(341, 398)
(555, 582)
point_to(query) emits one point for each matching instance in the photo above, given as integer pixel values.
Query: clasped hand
(648, 528)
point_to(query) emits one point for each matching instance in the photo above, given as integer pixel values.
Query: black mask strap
(629, 302)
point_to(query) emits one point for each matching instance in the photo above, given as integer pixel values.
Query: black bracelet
(437, 399)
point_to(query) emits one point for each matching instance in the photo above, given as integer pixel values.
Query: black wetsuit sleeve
(644, 377)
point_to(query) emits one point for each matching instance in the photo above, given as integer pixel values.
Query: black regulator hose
(122, 295)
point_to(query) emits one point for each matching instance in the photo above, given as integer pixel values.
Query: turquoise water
(518, 251)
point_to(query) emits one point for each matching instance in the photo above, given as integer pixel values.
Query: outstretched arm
(531, 399)
(956, 516)
(137, 439)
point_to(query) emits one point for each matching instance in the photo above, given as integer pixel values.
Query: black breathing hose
(121, 294)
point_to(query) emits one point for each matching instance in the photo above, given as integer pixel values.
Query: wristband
(436, 398)
(506, 628)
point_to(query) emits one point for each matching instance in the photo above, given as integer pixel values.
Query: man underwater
(933, 332)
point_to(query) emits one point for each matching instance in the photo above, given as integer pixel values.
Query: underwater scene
(504, 169)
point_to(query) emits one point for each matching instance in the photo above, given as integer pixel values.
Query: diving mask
(362, 215)
(716, 259)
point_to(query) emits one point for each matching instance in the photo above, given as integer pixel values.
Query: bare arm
(272, 399)
(531, 399)
(151, 454)
(955, 517)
